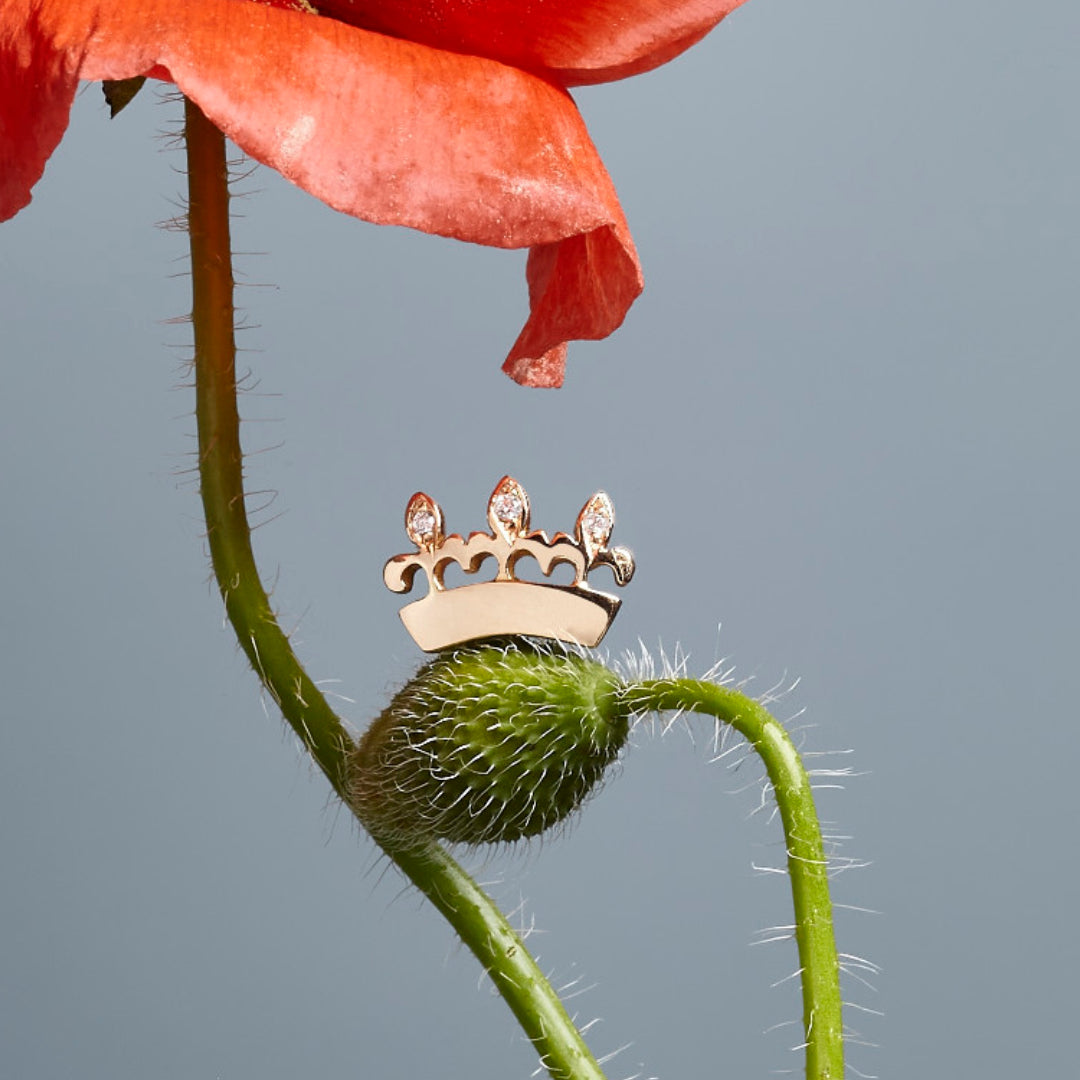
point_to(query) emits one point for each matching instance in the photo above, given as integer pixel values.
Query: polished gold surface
(507, 605)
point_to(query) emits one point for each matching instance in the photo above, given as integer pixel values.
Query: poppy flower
(448, 116)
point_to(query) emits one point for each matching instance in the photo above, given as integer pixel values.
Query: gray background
(839, 423)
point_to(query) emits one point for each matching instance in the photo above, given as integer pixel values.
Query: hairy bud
(489, 743)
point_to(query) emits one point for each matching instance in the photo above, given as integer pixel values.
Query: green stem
(221, 457)
(807, 866)
(497, 946)
(473, 915)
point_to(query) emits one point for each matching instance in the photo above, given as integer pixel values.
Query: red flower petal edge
(570, 42)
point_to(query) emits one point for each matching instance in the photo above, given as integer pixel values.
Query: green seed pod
(489, 743)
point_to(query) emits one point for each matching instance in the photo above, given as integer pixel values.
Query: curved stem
(221, 457)
(497, 946)
(473, 915)
(807, 866)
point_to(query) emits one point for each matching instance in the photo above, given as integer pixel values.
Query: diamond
(423, 524)
(596, 525)
(507, 508)
(423, 521)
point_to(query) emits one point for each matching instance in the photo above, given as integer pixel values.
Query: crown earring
(574, 613)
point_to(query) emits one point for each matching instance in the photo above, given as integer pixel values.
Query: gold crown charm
(506, 605)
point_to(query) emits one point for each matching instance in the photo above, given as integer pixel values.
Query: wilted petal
(570, 41)
(579, 289)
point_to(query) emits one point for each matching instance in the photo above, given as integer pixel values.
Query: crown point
(594, 524)
(508, 509)
(423, 522)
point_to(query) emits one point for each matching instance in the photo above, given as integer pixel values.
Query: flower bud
(489, 743)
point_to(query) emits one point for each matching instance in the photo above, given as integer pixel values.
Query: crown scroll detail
(508, 605)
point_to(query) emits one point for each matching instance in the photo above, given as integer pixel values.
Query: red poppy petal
(584, 285)
(37, 86)
(392, 132)
(569, 41)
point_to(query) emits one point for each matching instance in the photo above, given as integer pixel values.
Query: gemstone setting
(423, 522)
(508, 509)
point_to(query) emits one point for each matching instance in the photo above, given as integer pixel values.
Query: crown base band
(502, 608)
